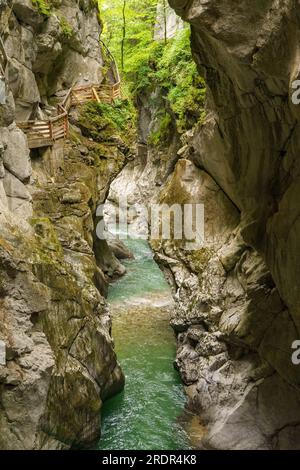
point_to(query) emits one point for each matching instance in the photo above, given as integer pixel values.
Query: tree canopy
(145, 62)
(128, 28)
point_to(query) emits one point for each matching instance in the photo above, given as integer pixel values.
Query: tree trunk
(124, 35)
(165, 21)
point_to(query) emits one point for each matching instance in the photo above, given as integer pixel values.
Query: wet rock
(120, 250)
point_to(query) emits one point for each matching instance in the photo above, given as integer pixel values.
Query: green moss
(66, 28)
(198, 259)
(162, 133)
(177, 72)
(174, 192)
(102, 121)
(74, 136)
(43, 6)
(171, 67)
(50, 247)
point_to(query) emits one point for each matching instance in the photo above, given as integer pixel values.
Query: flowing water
(148, 414)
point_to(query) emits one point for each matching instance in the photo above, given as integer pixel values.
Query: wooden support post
(96, 95)
(75, 97)
(66, 126)
(51, 130)
(112, 94)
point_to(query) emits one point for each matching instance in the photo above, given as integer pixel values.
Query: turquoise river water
(149, 413)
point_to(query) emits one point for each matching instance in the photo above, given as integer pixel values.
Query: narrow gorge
(141, 342)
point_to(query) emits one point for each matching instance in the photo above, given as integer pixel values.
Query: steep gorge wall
(238, 303)
(237, 298)
(54, 321)
(49, 53)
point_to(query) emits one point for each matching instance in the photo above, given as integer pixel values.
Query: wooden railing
(43, 133)
(101, 93)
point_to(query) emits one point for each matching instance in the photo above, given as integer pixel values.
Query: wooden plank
(96, 95)
(58, 124)
(31, 123)
(4, 60)
(83, 95)
(58, 130)
(59, 136)
(37, 129)
(40, 135)
(67, 98)
(67, 128)
(39, 126)
(37, 143)
(59, 118)
(83, 90)
(82, 87)
(74, 97)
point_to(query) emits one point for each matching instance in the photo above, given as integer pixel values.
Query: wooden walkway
(43, 133)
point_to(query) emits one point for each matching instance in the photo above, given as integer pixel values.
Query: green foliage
(149, 63)
(118, 115)
(171, 67)
(162, 134)
(140, 20)
(177, 72)
(66, 28)
(43, 6)
(101, 121)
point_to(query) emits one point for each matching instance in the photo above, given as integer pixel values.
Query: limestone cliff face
(52, 52)
(237, 298)
(143, 177)
(238, 301)
(167, 22)
(54, 322)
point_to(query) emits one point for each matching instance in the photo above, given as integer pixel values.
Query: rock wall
(167, 22)
(143, 177)
(238, 299)
(54, 322)
(50, 53)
